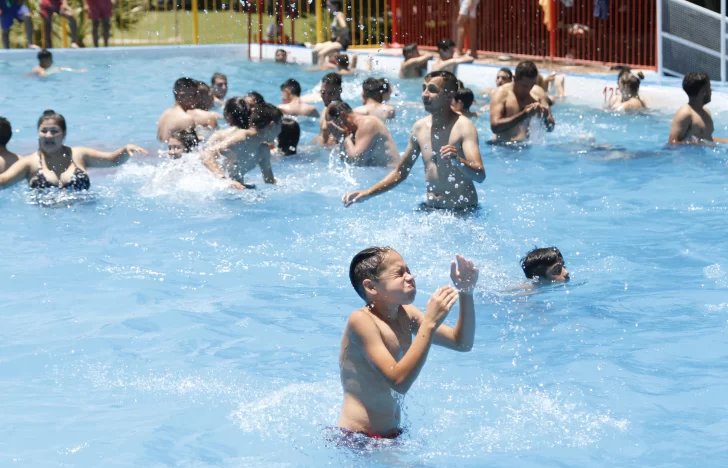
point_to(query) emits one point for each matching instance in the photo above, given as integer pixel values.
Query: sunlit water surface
(162, 320)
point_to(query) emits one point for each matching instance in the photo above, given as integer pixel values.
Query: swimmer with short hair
(281, 56)
(385, 343)
(415, 63)
(205, 120)
(176, 118)
(330, 92)
(464, 98)
(7, 158)
(245, 144)
(693, 123)
(629, 90)
(183, 141)
(545, 264)
(219, 88)
(60, 166)
(288, 138)
(514, 104)
(45, 65)
(366, 140)
(503, 76)
(291, 100)
(446, 59)
(332, 63)
(448, 144)
(254, 98)
(373, 92)
(343, 66)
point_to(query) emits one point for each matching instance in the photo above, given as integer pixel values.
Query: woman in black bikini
(57, 165)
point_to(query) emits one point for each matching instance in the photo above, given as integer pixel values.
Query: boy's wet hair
(44, 54)
(216, 76)
(237, 112)
(537, 261)
(188, 138)
(293, 87)
(257, 97)
(50, 114)
(342, 61)
(6, 131)
(367, 264)
(526, 69)
(263, 114)
(450, 83)
(184, 86)
(338, 108)
(465, 96)
(373, 89)
(507, 71)
(445, 44)
(289, 136)
(333, 79)
(409, 49)
(694, 82)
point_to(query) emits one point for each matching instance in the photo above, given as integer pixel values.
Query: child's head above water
(380, 275)
(289, 136)
(545, 264)
(183, 141)
(464, 98)
(45, 58)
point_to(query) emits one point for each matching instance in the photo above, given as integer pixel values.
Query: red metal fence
(627, 34)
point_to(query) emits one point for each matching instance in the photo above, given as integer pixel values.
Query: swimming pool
(159, 320)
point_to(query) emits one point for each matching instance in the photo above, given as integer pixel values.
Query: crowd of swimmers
(386, 342)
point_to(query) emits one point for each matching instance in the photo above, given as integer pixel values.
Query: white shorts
(469, 8)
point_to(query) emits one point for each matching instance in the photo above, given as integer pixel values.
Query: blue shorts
(13, 12)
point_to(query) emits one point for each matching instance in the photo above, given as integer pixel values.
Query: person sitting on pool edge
(464, 98)
(415, 64)
(385, 343)
(448, 143)
(291, 100)
(366, 140)
(60, 166)
(183, 141)
(7, 158)
(219, 88)
(245, 144)
(288, 138)
(373, 93)
(514, 104)
(45, 62)
(176, 118)
(693, 123)
(545, 264)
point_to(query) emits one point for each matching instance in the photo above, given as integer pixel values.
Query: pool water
(161, 320)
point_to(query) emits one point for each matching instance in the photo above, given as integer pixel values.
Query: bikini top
(79, 180)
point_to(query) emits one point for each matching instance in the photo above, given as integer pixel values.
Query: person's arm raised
(401, 375)
(15, 173)
(464, 276)
(364, 136)
(499, 123)
(453, 61)
(470, 163)
(95, 158)
(392, 179)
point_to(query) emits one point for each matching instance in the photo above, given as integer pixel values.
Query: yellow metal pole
(64, 33)
(195, 23)
(319, 22)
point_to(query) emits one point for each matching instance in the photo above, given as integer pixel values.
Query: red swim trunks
(100, 9)
(359, 440)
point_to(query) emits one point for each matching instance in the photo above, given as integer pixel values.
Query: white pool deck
(660, 93)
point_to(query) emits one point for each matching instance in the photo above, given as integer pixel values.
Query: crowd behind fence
(630, 32)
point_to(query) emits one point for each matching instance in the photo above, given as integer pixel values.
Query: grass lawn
(216, 27)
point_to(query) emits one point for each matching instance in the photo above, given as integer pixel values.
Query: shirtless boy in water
(374, 91)
(291, 100)
(415, 64)
(379, 358)
(693, 123)
(514, 104)
(205, 120)
(367, 142)
(448, 143)
(176, 119)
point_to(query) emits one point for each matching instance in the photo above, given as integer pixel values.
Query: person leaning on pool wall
(57, 165)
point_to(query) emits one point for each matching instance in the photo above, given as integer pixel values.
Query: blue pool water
(162, 321)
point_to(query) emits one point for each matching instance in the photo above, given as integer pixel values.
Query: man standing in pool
(176, 119)
(330, 92)
(448, 143)
(514, 104)
(379, 357)
(693, 123)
